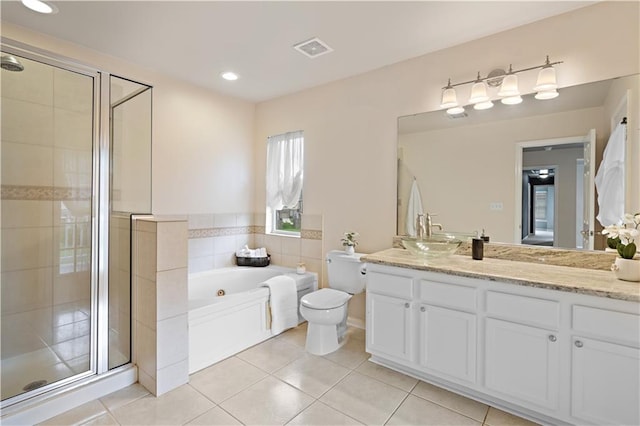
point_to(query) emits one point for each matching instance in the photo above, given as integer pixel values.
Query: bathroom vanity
(554, 344)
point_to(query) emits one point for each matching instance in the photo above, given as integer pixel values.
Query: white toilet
(326, 309)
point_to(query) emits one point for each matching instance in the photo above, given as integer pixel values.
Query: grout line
(451, 409)
(232, 416)
(396, 409)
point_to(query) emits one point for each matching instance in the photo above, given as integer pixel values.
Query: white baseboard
(355, 322)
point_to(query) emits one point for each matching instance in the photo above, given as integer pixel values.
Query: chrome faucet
(424, 225)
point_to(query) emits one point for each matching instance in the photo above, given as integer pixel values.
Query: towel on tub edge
(284, 303)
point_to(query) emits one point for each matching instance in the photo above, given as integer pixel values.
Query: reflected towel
(414, 208)
(610, 179)
(284, 303)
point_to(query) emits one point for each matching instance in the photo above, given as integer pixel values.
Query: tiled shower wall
(214, 239)
(46, 188)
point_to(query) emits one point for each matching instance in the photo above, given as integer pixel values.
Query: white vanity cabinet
(522, 351)
(605, 360)
(389, 318)
(555, 357)
(447, 330)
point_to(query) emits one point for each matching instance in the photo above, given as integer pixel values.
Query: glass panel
(47, 150)
(130, 194)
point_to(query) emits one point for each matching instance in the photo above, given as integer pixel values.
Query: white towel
(284, 303)
(414, 208)
(610, 179)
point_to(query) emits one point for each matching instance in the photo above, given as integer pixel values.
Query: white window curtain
(284, 170)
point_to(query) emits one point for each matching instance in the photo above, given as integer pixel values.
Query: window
(285, 173)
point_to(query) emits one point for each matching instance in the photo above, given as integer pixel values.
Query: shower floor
(46, 344)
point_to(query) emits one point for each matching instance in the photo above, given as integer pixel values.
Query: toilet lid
(326, 298)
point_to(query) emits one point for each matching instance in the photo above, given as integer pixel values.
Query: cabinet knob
(578, 343)
(406, 305)
(422, 309)
(552, 338)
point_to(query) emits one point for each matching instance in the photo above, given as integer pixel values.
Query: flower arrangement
(349, 239)
(623, 237)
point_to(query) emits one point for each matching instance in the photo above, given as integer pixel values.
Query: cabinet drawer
(607, 324)
(523, 309)
(391, 285)
(449, 295)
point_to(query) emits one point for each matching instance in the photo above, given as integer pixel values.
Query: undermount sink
(437, 245)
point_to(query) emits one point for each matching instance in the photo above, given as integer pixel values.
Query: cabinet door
(448, 342)
(521, 363)
(605, 382)
(389, 326)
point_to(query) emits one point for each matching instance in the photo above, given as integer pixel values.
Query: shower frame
(100, 215)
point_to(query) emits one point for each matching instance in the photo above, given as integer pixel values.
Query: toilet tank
(345, 271)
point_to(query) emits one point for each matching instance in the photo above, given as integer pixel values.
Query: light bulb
(546, 94)
(455, 110)
(512, 100)
(483, 105)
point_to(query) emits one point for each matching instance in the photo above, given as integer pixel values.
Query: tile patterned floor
(278, 383)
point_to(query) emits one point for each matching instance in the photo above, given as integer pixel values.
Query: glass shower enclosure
(75, 149)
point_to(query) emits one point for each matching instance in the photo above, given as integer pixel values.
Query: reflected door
(588, 213)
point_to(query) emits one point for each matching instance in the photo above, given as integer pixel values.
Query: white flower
(611, 231)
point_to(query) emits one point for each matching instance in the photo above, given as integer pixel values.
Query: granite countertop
(563, 278)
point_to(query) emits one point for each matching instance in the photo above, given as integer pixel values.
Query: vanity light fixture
(40, 6)
(546, 88)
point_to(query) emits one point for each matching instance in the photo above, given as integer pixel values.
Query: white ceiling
(197, 40)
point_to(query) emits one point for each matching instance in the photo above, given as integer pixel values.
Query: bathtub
(221, 326)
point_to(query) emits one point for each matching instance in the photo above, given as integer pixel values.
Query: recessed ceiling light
(40, 6)
(228, 75)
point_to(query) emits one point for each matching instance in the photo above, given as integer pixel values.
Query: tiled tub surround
(587, 259)
(214, 239)
(563, 278)
(160, 302)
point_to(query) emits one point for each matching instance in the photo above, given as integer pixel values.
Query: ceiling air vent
(313, 48)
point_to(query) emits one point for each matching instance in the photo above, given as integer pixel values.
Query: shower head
(11, 63)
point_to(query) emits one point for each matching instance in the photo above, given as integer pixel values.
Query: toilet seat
(326, 298)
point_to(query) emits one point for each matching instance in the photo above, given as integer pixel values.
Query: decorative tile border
(311, 234)
(307, 234)
(220, 232)
(44, 193)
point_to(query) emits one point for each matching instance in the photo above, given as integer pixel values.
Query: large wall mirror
(523, 173)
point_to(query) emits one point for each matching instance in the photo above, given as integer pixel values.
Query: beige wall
(202, 141)
(350, 125)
